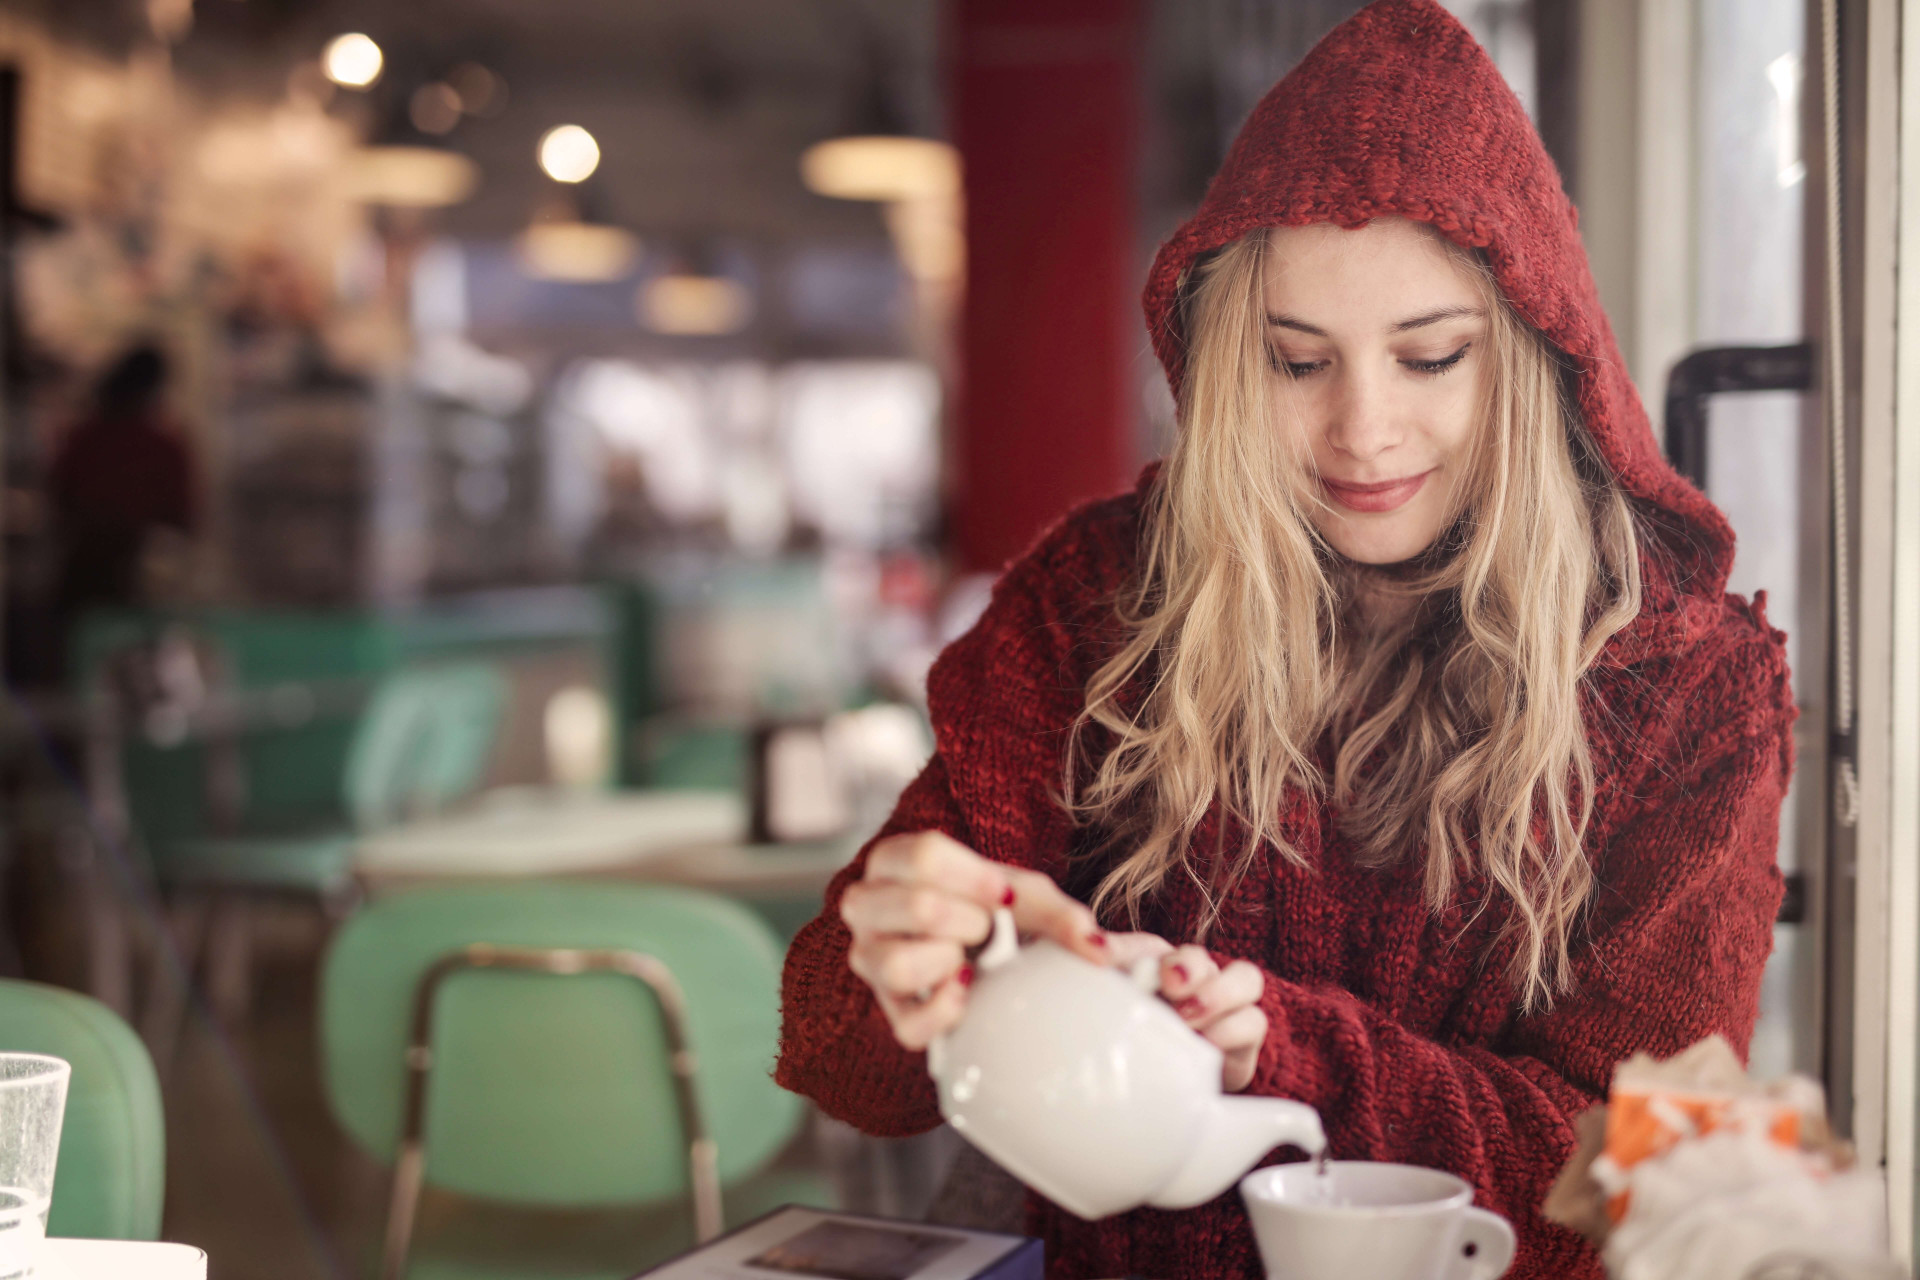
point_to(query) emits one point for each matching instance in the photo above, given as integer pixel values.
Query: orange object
(1643, 1125)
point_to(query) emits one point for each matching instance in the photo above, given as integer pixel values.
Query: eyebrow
(1420, 321)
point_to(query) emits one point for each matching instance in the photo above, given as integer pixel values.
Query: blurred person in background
(1401, 710)
(122, 480)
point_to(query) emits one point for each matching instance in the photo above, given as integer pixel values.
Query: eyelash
(1432, 368)
(1440, 366)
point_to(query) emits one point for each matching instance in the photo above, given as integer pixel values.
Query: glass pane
(1749, 206)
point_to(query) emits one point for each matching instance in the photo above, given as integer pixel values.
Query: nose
(1362, 422)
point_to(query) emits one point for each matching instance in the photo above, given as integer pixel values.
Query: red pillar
(1045, 113)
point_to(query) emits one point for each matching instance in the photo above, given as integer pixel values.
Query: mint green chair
(422, 742)
(681, 755)
(566, 1046)
(111, 1173)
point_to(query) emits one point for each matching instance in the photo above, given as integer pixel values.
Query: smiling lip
(1372, 498)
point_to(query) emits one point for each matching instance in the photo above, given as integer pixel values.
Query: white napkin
(1736, 1205)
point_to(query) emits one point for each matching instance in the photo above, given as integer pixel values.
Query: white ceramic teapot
(1081, 1082)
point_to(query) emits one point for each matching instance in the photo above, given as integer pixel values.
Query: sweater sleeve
(835, 1045)
(1002, 698)
(1672, 952)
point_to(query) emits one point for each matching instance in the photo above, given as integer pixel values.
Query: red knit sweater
(1396, 1023)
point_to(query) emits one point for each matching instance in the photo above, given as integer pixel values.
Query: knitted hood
(1399, 111)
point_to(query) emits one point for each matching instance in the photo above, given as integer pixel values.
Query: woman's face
(1378, 341)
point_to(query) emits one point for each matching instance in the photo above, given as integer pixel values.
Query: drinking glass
(33, 1100)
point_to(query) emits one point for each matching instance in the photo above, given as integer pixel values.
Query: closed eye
(1306, 368)
(1294, 368)
(1441, 365)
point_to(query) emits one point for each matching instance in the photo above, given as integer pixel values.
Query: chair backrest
(423, 741)
(111, 1174)
(156, 676)
(557, 1090)
(681, 756)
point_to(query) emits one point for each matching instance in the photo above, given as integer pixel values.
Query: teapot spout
(1238, 1132)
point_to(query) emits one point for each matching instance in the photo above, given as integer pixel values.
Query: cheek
(1457, 422)
(1300, 426)
(1302, 416)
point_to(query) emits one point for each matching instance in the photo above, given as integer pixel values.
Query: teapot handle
(1003, 944)
(1145, 973)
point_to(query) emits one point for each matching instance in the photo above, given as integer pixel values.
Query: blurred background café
(498, 471)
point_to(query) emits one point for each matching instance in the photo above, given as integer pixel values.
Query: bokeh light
(687, 304)
(434, 108)
(569, 153)
(353, 60)
(882, 168)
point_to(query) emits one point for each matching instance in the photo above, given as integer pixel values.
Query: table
(692, 838)
(753, 872)
(524, 831)
(62, 1259)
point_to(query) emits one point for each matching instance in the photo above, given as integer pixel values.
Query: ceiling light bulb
(352, 60)
(569, 153)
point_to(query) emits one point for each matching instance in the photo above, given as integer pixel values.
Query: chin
(1375, 547)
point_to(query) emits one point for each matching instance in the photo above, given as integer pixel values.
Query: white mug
(1381, 1221)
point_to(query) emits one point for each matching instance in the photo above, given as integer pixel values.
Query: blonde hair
(1243, 648)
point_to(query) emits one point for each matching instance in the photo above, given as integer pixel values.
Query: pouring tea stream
(1082, 1083)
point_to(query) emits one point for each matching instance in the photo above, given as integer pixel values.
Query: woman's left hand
(1221, 1004)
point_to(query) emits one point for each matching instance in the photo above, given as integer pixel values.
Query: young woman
(1402, 708)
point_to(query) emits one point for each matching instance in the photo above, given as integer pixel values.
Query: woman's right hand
(924, 900)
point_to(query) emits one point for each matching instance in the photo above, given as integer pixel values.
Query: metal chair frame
(410, 1163)
(1693, 381)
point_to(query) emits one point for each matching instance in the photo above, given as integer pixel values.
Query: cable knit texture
(1396, 1022)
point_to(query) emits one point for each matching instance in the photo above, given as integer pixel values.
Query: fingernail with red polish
(1190, 1007)
(1097, 939)
(1180, 974)
(1006, 898)
(965, 975)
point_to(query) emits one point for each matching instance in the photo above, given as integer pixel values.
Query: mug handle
(1486, 1246)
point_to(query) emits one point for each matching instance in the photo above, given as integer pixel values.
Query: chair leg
(230, 958)
(109, 946)
(178, 938)
(409, 1170)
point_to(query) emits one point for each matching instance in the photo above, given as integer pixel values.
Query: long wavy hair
(1455, 728)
